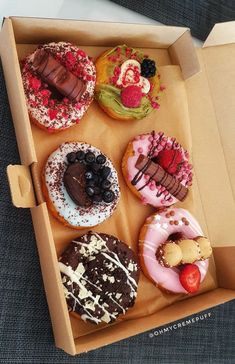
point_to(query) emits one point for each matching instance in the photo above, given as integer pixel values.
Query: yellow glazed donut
(128, 83)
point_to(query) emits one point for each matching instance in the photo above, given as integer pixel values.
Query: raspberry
(170, 160)
(131, 96)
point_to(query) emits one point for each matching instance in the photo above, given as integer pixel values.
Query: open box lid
(212, 113)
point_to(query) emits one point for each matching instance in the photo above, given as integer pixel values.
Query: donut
(80, 185)
(157, 170)
(170, 227)
(100, 276)
(128, 83)
(59, 82)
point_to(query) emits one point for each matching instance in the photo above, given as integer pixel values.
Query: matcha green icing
(109, 96)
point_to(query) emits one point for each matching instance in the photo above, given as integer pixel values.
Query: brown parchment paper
(111, 137)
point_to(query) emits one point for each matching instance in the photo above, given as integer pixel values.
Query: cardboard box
(197, 107)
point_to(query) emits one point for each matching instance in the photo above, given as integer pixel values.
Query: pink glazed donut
(155, 232)
(163, 150)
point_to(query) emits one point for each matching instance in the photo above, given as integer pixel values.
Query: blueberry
(101, 159)
(105, 184)
(105, 172)
(89, 175)
(80, 155)
(108, 196)
(90, 191)
(90, 183)
(89, 157)
(97, 198)
(97, 190)
(95, 167)
(71, 157)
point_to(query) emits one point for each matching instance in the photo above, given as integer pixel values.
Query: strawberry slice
(190, 277)
(170, 160)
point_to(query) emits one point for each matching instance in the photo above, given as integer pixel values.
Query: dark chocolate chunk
(106, 279)
(75, 183)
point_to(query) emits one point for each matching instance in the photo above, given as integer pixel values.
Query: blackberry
(148, 68)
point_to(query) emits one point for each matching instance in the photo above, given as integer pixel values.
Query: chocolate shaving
(159, 175)
(53, 73)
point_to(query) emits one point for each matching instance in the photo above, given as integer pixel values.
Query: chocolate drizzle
(150, 154)
(158, 174)
(56, 75)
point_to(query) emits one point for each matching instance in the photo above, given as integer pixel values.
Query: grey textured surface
(25, 329)
(198, 15)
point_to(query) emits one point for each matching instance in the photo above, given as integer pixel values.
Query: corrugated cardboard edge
(222, 33)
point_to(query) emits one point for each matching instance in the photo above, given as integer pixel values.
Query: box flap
(21, 186)
(221, 34)
(212, 109)
(182, 52)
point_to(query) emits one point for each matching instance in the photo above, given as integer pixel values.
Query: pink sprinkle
(146, 176)
(144, 200)
(152, 187)
(170, 199)
(140, 150)
(142, 137)
(50, 130)
(163, 202)
(129, 177)
(137, 137)
(159, 147)
(163, 143)
(165, 192)
(150, 138)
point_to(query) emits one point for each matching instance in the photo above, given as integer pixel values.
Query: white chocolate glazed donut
(58, 199)
(156, 230)
(144, 187)
(48, 112)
